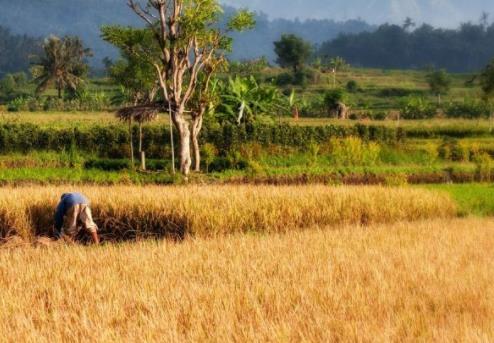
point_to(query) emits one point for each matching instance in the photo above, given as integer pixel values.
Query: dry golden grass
(430, 281)
(209, 211)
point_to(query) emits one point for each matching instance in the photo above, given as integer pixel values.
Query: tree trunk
(184, 132)
(141, 152)
(196, 130)
(140, 137)
(131, 142)
(59, 89)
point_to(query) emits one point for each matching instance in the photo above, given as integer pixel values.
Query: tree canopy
(292, 51)
(63, 64)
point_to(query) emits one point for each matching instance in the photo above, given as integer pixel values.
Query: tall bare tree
(190, 42)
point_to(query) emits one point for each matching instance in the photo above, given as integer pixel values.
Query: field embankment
(427, 281)
(208, 211)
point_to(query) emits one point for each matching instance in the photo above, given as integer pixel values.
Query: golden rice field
(130, 212)
(427, 281)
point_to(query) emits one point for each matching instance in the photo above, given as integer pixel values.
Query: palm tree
(63, 64)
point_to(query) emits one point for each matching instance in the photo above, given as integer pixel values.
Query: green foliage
(439, 82)
(469, 109)
(241, 21)
(292, 51)
(11, 86)
(352, 86)
(133, 71)
(417, 108)
(112, 141)
(333, 97)
(487, 80)
(62, 65)
(208, 153)
(249, 67)
(244, 100)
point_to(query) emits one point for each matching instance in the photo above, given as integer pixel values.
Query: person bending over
(72, 215)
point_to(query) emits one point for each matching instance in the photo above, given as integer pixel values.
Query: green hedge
(112, 141)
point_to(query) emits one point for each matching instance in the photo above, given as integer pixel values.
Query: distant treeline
(466, 49)
(259, 42)
(15, 51)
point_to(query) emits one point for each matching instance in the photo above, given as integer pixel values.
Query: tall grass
(132, 212)
(420, 282)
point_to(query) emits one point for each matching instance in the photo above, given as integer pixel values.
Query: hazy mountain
(447, 13)
(84, 18)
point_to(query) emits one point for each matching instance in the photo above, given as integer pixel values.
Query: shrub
(418, 108)
(305, 76)
(470, 109)
(107, 164)
(209, 153)
(284, 79)
(352, 86)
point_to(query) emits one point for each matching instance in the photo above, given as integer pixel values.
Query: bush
(209, 153)
(107, 164)
(112, 141)
(284, 79)
(352, 86)
(469, 109)
(418, 108)
(306, 76)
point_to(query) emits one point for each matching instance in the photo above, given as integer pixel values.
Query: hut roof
(140, 113)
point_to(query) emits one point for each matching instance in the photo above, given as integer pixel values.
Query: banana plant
(244, 99)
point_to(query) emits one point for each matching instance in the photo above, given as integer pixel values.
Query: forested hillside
(15, 51)
(468, 48)
(85, 17)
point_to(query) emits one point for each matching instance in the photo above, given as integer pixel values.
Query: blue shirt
(67, 201)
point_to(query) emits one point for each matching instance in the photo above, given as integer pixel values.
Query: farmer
(72, 214)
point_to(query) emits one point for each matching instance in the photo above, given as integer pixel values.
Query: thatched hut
(140, 114)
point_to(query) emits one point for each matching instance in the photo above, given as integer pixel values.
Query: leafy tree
(487, 85)
(487, 80)
(11, 86)
(62, 65)
(187, 48)
(439, 83)
(292, 51)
